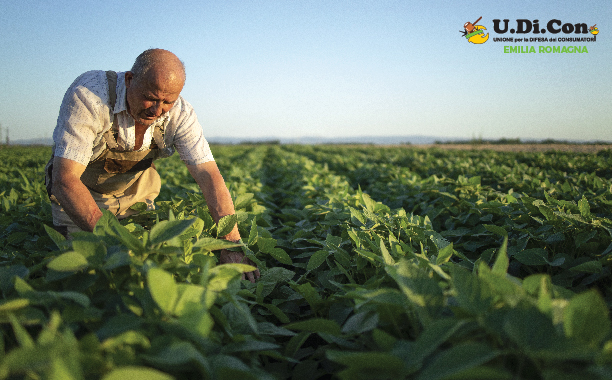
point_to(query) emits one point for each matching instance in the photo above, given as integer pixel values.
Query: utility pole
(7, 136)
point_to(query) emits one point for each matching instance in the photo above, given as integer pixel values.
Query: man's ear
(128, 78)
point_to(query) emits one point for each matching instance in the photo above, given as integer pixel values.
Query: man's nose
(157, 108)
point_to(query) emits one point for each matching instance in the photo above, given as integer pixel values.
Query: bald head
(159, 63)
(153, 85)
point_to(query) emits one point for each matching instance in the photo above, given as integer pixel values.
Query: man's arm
(73, 195)
(220, 204)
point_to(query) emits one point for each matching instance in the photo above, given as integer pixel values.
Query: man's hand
(226, 257)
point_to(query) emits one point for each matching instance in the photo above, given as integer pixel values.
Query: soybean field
(376, 263)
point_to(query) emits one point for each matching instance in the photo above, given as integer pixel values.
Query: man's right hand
(226, 257)
(73, 195)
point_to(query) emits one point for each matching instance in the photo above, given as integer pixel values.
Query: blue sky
(320, 68)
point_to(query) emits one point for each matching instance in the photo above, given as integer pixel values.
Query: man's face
(152, 95)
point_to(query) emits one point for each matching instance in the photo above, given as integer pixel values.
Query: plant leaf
(166, 230)
(585, 209)
(385, 254)
(137, 373)
(163, 289)
(280, 255)
(317, 325)
(586, 318)
(226, 225)
(592, 266)
(532, 256)
(57, 238)
(457, 359)
(212, 244)
(68, 262)
(317, 259)
(500, 267)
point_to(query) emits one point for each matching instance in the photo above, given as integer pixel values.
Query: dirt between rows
(577, 148)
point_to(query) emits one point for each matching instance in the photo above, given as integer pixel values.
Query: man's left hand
(226, 257)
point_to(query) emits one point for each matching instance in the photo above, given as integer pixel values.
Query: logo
(474, 33)
(554, 26)
(523, 31)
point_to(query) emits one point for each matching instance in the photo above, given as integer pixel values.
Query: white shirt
(84, 117)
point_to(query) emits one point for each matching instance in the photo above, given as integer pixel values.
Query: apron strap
(158, 136)
(111, 77)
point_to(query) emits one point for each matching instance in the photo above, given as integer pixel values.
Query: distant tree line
(510, 141)
(262, 142)
(7, 141)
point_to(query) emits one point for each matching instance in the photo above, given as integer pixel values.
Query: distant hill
(37, 141)
(307, 140)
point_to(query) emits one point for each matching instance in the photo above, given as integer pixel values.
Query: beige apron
(116, 179)
(114, 171)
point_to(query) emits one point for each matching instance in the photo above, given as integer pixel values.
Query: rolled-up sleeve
(189, 138)
(81, 119)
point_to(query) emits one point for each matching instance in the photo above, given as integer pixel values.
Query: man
(111, 127)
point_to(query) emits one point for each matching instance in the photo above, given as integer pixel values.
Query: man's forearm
(215, 192)
(76, 200)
